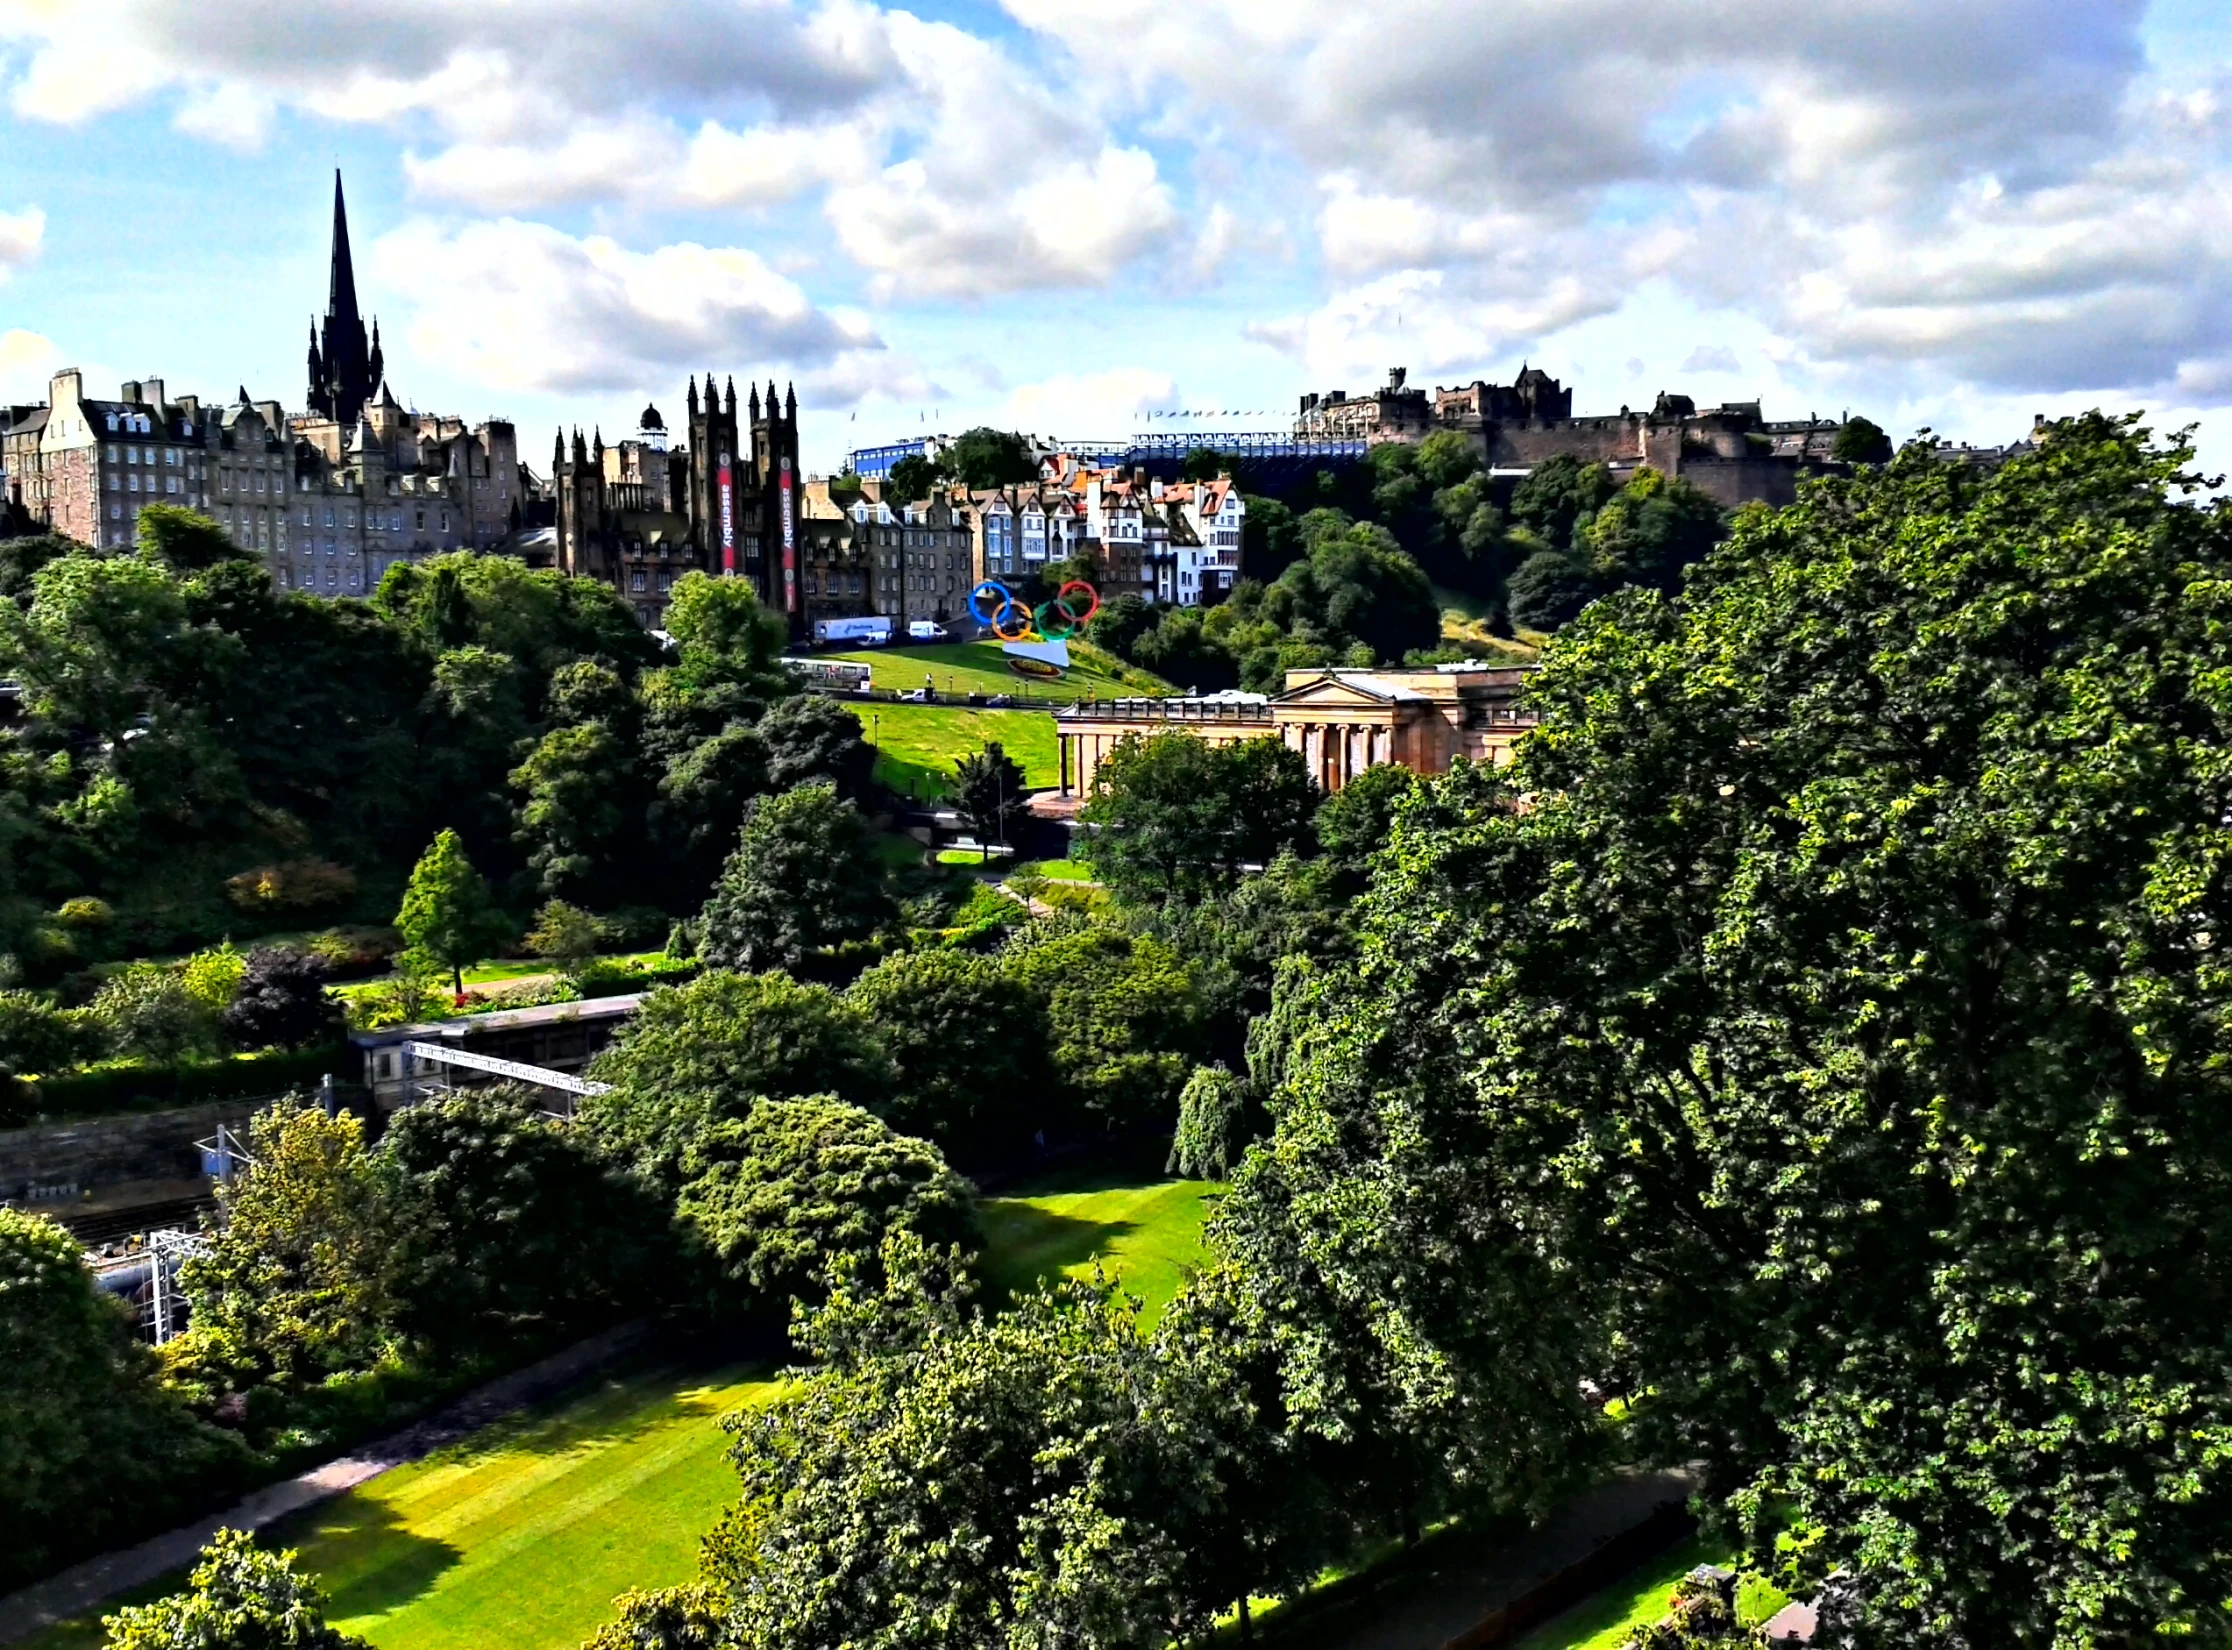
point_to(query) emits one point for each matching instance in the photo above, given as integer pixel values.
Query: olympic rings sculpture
(1011, 621)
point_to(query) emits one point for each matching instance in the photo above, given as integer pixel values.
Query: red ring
(1085, 618)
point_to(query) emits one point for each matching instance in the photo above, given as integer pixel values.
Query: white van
(925, 630)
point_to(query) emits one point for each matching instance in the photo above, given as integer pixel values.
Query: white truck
(874, 632)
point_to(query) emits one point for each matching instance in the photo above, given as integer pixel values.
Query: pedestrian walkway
(85, 1586)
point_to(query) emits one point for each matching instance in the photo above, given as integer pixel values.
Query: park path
(1461, 1583)
(96, 1581)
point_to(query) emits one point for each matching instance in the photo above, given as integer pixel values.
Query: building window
(636, 580)
(116, 512)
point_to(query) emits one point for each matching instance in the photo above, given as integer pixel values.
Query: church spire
(341, 286)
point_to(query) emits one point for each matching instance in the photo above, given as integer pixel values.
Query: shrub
(356, 953)
(148, 1013)
(293, 885)
(37, 1036)
(85, 912)
(282, 1001)
(212, 978)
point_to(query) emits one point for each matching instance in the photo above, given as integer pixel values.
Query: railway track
(107, 1225)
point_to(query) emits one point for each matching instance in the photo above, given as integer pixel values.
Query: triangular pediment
(1331, 691)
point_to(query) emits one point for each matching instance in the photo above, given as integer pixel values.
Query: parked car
(1000, 701)
(920, 696)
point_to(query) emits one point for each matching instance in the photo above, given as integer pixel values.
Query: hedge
(147, 1085)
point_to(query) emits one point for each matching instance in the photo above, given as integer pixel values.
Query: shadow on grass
(366, 1560)
(1027, 1246)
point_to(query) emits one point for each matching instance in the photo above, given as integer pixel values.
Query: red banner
(790, 541)
(727, 486)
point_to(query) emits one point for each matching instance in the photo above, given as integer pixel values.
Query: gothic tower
(345, 366)
(775, 469)
(716, 482)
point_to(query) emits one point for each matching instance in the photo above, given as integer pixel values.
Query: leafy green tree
(576, 789)
(1173, 816)
(448, 916)
(91, 1446)
(966, 1041)
(803, 878)
(1039, 1477)
(778, 1195)
(1359, 588)
(38, 1036)
(984, 457)
(148, 1013)
(1212, 1124)
(1122, 1016)
(238, 1597)
(1559, 494)
(668, 1618)
(913, 478)
(1203, 464)
(702, 797)
(1355, 822)
(1861, 441)
(1549, 590)
(567, 935)
(21, 559)
(1840, 1016)
(185, 539)
(1650, 531)
(989, 794)
(810, 738)
(724, 636)
(282, 1001)
(508, 1225)
(705, 1053)
(295, 1286)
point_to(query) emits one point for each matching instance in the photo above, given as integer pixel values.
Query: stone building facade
(642, 513)
(1393, 412)
(1340, 722)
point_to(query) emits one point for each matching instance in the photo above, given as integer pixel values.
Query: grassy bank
(917, 745)
(1146, 1236)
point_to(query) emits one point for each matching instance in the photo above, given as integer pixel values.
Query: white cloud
(1090, 406)
(27, 361)
(22, 234)
(1711, 358)
(523, 306)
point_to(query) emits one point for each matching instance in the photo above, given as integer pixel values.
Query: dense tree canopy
(802, 879)
(88, 1438)
(1172, 815)
(780, 1194)
(1840, 1017)
(239, 1597)
(704, 1053)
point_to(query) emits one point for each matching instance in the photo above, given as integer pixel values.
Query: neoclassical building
(1340, 721)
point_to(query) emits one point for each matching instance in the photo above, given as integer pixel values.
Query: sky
(1068, 215)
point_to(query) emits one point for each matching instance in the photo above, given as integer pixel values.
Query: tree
(1212, 1120)
(989, 794)
(567, 935)
(1558, 494)
(1122, 1016)
(295, 1284)
(802, 878)
(913, 478)
(149, 1014)
(810, 737)
(21, 559)
(1202, 464)
(508, 1225)
(185, 539)
(705, 1053)
(1840, 1015)
(1359, 588)
(777, 1196)
(575, 787)
(1173, 816)
(282, 1001)
(724, 636)
(668, 1618)
(984, 457)
(238, 1597)
(1860, 441)
(1549, 590)
(1038, 1477)
(702, 797)
(1355, 821)
(91, 1446)
(447, 915)
(964, 1036)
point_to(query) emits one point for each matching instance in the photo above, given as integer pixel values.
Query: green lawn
(1055, 870)
(521, 1536)
(917, 745)
(1607, 1619)
(980, 667)
(1149, 1236)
